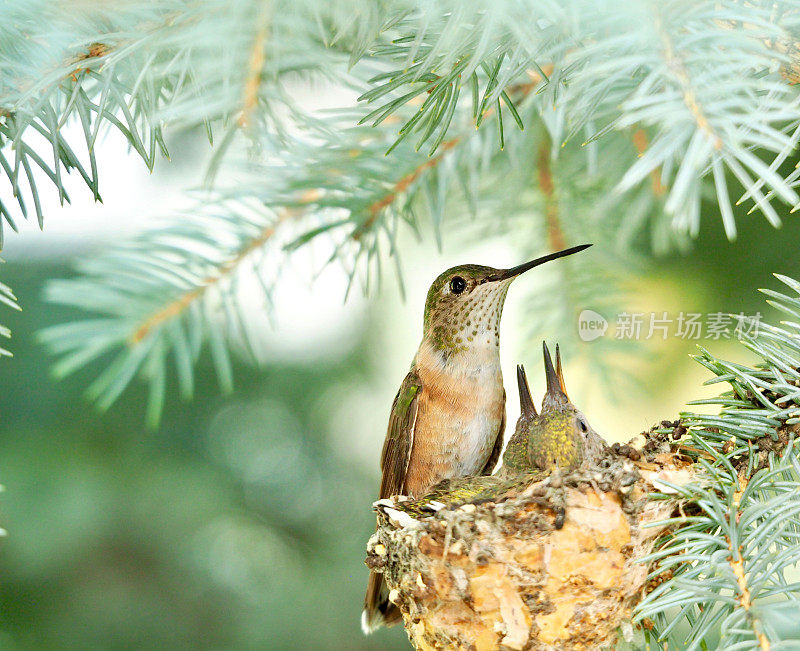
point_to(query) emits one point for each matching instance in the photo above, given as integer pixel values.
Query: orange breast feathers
(458, 420)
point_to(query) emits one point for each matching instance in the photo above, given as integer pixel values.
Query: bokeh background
(241, 521)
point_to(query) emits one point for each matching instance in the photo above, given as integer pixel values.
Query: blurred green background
(238, 524)
(241, 522)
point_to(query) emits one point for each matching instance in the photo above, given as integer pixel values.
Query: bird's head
(465, 303)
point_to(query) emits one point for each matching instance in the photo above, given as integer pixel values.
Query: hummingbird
(448, 417)
(559, 438)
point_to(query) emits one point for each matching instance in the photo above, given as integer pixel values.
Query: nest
(500, 574)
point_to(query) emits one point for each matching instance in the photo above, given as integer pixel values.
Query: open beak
(505, 274)
(526, 405)
(555, 394)
(560, 372)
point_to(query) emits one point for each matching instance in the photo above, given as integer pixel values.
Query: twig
(736, 562)
(177, 306)
(555, 236)
(401, 186)
(256, 66)
(675, 65)
(640, 142)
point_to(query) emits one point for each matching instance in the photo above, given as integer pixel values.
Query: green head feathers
(465, 303)
(464, 306)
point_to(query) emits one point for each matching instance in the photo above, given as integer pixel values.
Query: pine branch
(687, 63)
(728, 560)
(173, 291)
(69, 86)
(348, 194)
(256, 65)
(221, 273)
(436, 52)
(402, 186)
(722, 68)
(168, 283)
(685, 77)
(640, 141)
(152, 64)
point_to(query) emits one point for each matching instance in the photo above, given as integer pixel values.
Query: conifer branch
(555, 236)
(737, 567)
(745, 514)
(156, 64)
(676, 67)
(402, 186)
(256, 65)
(640, 141)
(165, 298)
(176, 307)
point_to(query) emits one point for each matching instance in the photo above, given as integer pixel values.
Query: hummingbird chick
(448, 417)
(558, 439)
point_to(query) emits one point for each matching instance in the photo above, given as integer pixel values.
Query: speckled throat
(473, 322)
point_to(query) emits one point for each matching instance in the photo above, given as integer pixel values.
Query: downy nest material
(499, 574)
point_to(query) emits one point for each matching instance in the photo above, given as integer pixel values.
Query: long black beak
(555, 394)
(505, 274)
(526, 405)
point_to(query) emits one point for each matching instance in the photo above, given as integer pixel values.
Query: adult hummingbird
(448, 417)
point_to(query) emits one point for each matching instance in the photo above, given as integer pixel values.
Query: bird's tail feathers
(378, 610)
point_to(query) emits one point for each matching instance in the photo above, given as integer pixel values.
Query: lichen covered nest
(499, 574)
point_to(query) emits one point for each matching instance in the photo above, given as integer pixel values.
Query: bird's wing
(400, 436)
(498, 442)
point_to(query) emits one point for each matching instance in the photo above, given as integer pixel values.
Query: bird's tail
(378, 610)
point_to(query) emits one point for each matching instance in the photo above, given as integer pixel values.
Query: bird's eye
(457, 284)
(583, 426)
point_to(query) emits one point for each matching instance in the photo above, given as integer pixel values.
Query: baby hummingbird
(559, 437)
(448, 417)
